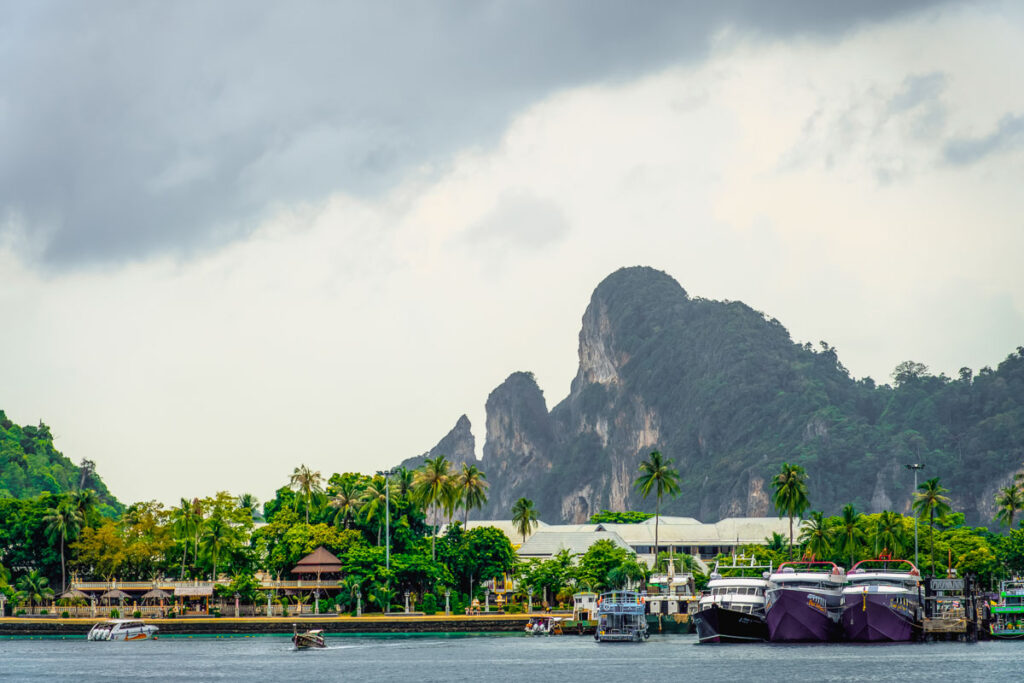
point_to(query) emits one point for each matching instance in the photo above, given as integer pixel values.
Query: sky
(237, 237)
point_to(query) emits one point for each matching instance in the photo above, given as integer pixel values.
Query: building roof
(193, 591)
(729, 531)
(503, 525)
(547, 543)
(319, 561)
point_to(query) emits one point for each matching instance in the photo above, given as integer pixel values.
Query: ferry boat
(671, 602)
(307, 639)
(122, 629)
(805, 602)
(621, 618)
(1008, 614)
(882, 601)
(732, 611)
(584, 614)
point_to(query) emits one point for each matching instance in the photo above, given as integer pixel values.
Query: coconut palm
(524, 516)
(346, 503)
(184, 527)
(86, 502)
(402, 480)
(889, 534)
(930, 501)
(62, 522)
(657, 474)
(251, 504)
(790, 497)
(472, 486)
(34, 587)
(776, 542)
(1009, 502)
(374, 502)
(306, 482)
(217, 536)
(431, 484)
(851, 536)
(816, 536)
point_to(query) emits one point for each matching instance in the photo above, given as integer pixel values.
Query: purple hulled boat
(882, 602)
(804, 602)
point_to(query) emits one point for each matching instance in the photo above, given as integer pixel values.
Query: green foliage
(598, 562)
(628, 517)
(524, 517)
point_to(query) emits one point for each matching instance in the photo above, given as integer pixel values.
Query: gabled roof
(319, 561)
(546, 543)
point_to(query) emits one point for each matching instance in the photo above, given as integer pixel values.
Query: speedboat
(122, 629)
(882, 602)
(733, 609)
(307, 639)
(804, 602)
(544, 626)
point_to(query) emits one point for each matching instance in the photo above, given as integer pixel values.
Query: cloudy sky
(237, 237)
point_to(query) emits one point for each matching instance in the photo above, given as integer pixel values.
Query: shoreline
(251, 626)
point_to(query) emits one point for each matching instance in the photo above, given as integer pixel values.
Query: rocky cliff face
(458, 446)
(723, 391)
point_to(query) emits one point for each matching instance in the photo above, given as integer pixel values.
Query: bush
(114, 614)
(514, 609)
(65, 614)
(137, 614)
(428, 605)
(20, 613)
(43, 612)
(215, 611)
(172, 614)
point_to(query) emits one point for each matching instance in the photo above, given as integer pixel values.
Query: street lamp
(387, 517)
(916, 466)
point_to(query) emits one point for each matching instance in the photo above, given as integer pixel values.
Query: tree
(851, 537)
(790, 497)
(890, 533)
(346, 503)
(250, 504)
(217, 535)
(34, 587)
(600, 559)
(1009, 501)
(628, 573)
(306, 482)
(776, 542)
(184, 526)
(472, 485)
(373, 502)
(816, 536)
(63, 522)
(524, 517)
(930, 501)
(431, 485)
(657, 473)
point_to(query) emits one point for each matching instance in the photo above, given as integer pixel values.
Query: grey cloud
(917, 90)
(1008, 135)
(134, 128)
(520, 220)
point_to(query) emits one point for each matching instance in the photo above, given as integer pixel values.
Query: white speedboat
(122, 629)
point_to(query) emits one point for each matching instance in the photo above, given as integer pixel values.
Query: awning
(193, 591)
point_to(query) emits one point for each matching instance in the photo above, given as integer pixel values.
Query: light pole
(916, 466)
(387, 517)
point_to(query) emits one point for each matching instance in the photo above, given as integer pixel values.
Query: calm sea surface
(515, 658)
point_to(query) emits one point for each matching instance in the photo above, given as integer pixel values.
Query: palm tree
(524, 516)
(817, 536)
(217, 535)
(1009, 500)
(306, 482)
(196, 515)
(851, 537)
(34, 587)
(374, 501)
(790, 496)
(776, 542)
(183, 524)
(430, 486)
(85, 501)
(472, 484)
(889, 533)
(249, 502)
(64, 522)
(402, 482)
(930, 502)
(657, 473)
(346, 503)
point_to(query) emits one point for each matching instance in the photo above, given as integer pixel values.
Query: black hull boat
(716, 624)
(307, 639)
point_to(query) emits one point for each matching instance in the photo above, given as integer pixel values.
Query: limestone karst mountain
(724, 391)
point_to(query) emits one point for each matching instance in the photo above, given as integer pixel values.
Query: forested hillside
(724, 391)
(30, 465)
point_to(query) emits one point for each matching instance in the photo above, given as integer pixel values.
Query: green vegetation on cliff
(30, 465)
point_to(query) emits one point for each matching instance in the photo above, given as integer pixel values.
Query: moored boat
(882, 601)
(544, 626)
(584, 614)
(1007, 620)
(670, 599)
(733, 611)
(804, 602)
(621, 618)
(307, 639)
(122, 629)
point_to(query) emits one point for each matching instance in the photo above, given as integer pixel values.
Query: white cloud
(352, 334)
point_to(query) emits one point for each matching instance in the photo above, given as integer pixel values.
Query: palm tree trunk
(657, 518)
(63, 583)
(791, 537)
(433, 538)
(931, 523)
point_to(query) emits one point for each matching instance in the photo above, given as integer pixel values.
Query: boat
(584, 614)
(671, 599)
(805, 602)
(732, 611)
(621, 618)
(882, 601)
(1007, 614)
(307, 639)
(544, 626)
(122, 629)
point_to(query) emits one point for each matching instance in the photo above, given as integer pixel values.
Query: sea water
(490, 657)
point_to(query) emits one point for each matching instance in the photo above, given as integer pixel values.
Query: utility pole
(387, 517)
(916, 466)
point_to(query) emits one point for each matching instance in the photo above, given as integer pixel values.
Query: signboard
(954, 585)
